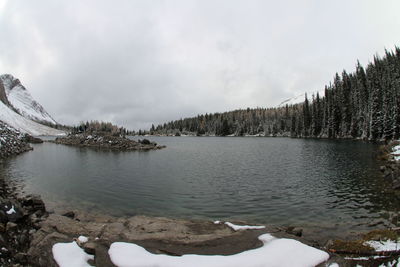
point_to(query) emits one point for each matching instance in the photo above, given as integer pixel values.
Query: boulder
(3, 217)
(396, 184)
(90, 248)
(10, 226)
(33, 203)
(21, 257)
(145, 142)
(69, 214)
(40, 251)
(294, 231)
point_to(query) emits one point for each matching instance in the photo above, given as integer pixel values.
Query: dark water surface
(333, 186)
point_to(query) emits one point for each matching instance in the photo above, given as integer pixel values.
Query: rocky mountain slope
(22, 101)
(19, 110)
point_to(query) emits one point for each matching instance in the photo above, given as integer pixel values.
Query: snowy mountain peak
(293, 100)
(21, 100)
(299, 99)
(19, 110)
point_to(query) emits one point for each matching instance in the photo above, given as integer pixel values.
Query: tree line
(94, 127)
(364, 104)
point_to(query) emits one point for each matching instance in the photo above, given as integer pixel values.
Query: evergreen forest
(364, 104)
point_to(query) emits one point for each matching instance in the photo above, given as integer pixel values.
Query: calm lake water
(331, 186)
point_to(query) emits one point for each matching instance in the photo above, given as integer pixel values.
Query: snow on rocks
(70, 255)
(83, 239)
(393, 263)
(274, 252)
(11, 211)
(11, 141)
(388, 245)
(244, 227)
(236, 227)
(396, 152)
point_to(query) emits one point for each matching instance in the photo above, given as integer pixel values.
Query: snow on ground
(396, 152)
(236, 227)
(274, 253)
(394, 263)
(22, 100)
(379, 246)
(70, 255)
(365, 258)
(388, 245)
(25, 125)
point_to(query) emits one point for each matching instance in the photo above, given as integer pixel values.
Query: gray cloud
(142, 62)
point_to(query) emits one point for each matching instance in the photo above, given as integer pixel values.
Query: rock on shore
(391, 168)
(106, 142)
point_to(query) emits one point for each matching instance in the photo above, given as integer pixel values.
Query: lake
(332, 187)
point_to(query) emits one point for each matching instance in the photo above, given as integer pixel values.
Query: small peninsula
(106, 141)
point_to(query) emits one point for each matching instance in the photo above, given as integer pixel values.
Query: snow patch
(274, 252)
(236, 227)
(11, 211)
(396, 152)
(244, 227)
(365, 258)
(388, 245)
(70, 255)
(83, 239)
(393, 263)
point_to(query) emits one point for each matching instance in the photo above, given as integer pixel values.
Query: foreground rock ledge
(106, 142)
(156, 234)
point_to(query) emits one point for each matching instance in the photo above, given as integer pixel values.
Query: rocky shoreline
(19, 216)
(177, 237)
(158, 235)
(106, 141)
(29, 235)
(12, 142)
(19, 220)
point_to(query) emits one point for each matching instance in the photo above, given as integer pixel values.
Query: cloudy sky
(140, 62)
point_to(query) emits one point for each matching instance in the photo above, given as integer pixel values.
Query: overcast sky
(140, 62)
